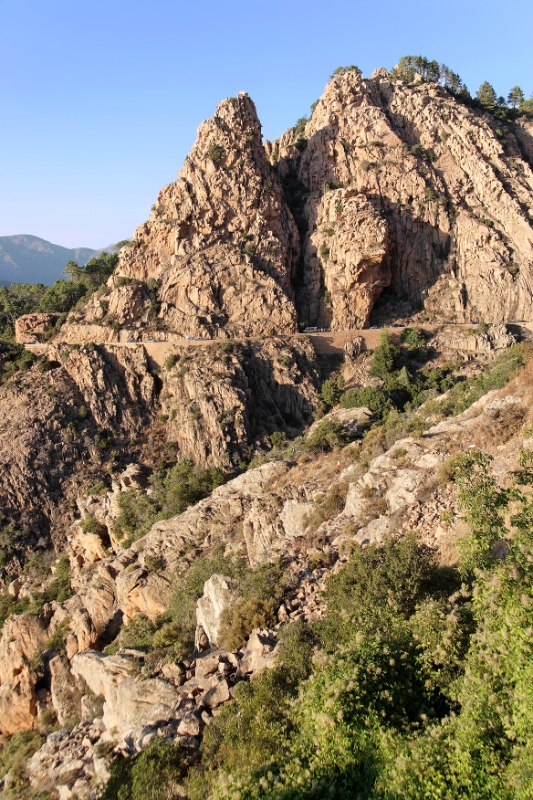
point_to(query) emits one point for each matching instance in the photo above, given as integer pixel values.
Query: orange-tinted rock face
(220, 242)
(456, 192)
(32, 327)
(390, 186)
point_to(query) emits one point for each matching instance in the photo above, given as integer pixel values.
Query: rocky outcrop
(455, 191)
(133, 709)
(497, 337)
(41, 446)
(217, 598)
(346, 259)
(219, 400)
(56, 423)
(220, 246)
(22, 637)
(392, 186)
(523, 129)
(32, 327)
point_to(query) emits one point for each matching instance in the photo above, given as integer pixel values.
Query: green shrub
(174, 490)
(368, 397)
(226, 346)
(299, 128)
(330, 393)
(319, 559)
(413, 337)
(98, 488)
(324, 252)
(240, 619)
(124, 281)
(137, 634)
(8, 606)
(216, 153)
(385, 358)
(90, 524)
(155, 774)
(59, 589)
(327, 435)
(342, 70)
(15, 753)
(170, 361)
(46, 365)
(377, 584)
(57, 640)
(278, 439)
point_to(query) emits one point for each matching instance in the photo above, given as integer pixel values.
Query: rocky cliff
(387, 187)
(152, 489)
(126, 699)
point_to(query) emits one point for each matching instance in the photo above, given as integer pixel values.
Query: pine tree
(515, 97)
(486, 95)
(73, 271)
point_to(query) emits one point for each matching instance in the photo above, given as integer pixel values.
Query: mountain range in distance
(30, 259)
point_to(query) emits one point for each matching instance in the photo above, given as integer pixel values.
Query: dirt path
(325, 343)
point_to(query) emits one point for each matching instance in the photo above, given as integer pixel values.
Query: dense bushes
(16, 751)
(367, 397)
(419, 686)
(407, 382)
(14, 358)
(155, 774)
(255, 728)
(260, 595)
(464, 393)
(327, 435)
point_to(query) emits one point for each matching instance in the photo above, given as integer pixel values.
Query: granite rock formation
(388, 186)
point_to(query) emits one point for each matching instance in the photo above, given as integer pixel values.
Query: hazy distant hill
(29, 259)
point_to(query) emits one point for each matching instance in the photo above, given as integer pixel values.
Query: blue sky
(100, 99)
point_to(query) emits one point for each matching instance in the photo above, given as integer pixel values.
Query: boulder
(208, 664)
(217, 597)
(66, 696)
(217, 692)
(259, 652)
(23, 637)
(140, 703)
(128, 702)
(353, 348)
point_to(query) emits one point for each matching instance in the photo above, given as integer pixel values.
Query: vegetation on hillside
(504, 109)
(173, 490)
(62, 297)
(408, 382)
(171, 636)
(417, 684)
